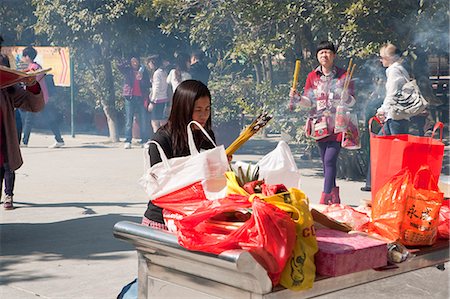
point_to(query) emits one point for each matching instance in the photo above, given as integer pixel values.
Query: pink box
(341, 253)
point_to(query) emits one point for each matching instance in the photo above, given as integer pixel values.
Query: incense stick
(349, 77)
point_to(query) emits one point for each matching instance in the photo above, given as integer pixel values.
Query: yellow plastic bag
(300, 270)
(233, 185)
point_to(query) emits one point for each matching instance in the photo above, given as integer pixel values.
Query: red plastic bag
(444, 220)
(180, 203)
(345, 214)
(390, 154)
(268, 234)
(183, 201)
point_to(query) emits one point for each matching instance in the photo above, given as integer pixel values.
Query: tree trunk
(108, 103)
(263, 68)
(270, 70)
(257, 74)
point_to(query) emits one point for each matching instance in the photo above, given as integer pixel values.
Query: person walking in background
(323, 92)
(191, 101)
(159, 100)
(48, 114)
(199, 70)
(396, 77)
(181, 71)
(29, 99)
(135, 90)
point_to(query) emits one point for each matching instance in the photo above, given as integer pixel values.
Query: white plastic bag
(173, 174)
(278, 167)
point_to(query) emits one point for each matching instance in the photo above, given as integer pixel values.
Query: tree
(17, 22)
(98, 32)
(260, 32)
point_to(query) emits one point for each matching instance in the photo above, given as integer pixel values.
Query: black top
(199, 71)
(162, 136)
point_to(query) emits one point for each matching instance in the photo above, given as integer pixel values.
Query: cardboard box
(341, 253)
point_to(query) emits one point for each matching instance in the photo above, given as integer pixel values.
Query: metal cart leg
(441, 267)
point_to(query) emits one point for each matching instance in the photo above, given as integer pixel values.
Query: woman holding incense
(327, 86)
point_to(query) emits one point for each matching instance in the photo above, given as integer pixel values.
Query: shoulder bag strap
(162, 154)
(191, 142)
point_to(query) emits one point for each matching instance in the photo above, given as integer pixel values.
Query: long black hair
(181, 65)
(183, 104)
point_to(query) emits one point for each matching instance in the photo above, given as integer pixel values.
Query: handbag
(173, 174)
(318, 127)
(409, 101)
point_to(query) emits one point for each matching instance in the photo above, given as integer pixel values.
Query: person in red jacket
(323, 92)
(48, 114)
(32, 100)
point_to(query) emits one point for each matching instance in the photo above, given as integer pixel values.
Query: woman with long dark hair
(159, 99)
(191, 101)
(181, 71)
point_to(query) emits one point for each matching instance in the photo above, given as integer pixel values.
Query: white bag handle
(161, 154)
(192, 147)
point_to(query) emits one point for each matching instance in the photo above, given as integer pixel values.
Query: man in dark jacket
(199, 70)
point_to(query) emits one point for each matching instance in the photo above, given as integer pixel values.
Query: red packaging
(341, 253)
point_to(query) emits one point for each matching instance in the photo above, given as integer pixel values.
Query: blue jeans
(136, 106)
(50, 115)
(9, 176)
(394, 127)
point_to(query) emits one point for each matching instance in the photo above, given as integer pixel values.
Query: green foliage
(233, 96)
(17, 20)
(251, 44)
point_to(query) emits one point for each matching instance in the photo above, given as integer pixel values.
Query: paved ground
(58, 242)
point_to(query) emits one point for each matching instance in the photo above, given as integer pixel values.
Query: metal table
(167, 270)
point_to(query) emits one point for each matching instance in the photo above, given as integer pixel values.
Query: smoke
(369, 86)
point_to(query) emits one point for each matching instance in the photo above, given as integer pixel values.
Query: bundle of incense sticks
(348, 78)
(296, 73)
(251, 130)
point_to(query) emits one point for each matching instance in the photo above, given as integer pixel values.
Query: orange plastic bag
(408, 210)
(421, 218)
(388, 206)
